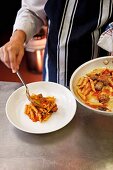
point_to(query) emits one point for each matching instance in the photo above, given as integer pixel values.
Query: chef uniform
(74, 27)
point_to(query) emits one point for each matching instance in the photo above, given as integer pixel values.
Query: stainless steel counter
(86, 143)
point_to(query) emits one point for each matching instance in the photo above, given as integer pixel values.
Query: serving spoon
(27, 90)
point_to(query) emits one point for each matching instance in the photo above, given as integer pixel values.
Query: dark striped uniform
(74, 29)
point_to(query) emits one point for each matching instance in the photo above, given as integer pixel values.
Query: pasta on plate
(44, 109)
(96, 89)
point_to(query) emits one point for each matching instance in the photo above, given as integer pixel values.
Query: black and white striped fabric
(74, 30)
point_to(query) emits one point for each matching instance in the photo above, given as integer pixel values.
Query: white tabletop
(86, 143)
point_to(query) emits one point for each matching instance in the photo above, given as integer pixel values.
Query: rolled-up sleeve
(30, 17)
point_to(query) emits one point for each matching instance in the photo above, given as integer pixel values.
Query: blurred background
(31, 66)
(7, 17)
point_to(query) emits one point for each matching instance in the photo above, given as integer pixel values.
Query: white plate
(65, 101)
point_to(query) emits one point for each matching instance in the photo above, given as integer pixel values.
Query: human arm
(12, 52)
(31, 17)
(28, 22)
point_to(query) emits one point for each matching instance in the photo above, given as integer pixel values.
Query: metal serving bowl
(101, 62)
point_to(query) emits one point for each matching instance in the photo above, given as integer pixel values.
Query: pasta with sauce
(43, 110)
(96, 89)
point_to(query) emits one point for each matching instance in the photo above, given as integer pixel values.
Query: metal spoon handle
(20, 77)
(27, 90)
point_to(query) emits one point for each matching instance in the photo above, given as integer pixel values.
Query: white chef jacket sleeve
(106, 39)
(30, 17)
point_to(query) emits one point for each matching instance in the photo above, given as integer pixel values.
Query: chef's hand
(12, 52)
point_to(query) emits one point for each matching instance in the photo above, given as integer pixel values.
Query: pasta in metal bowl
(96, 89)
(92, 85)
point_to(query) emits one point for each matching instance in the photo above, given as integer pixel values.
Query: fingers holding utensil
(11, 55)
